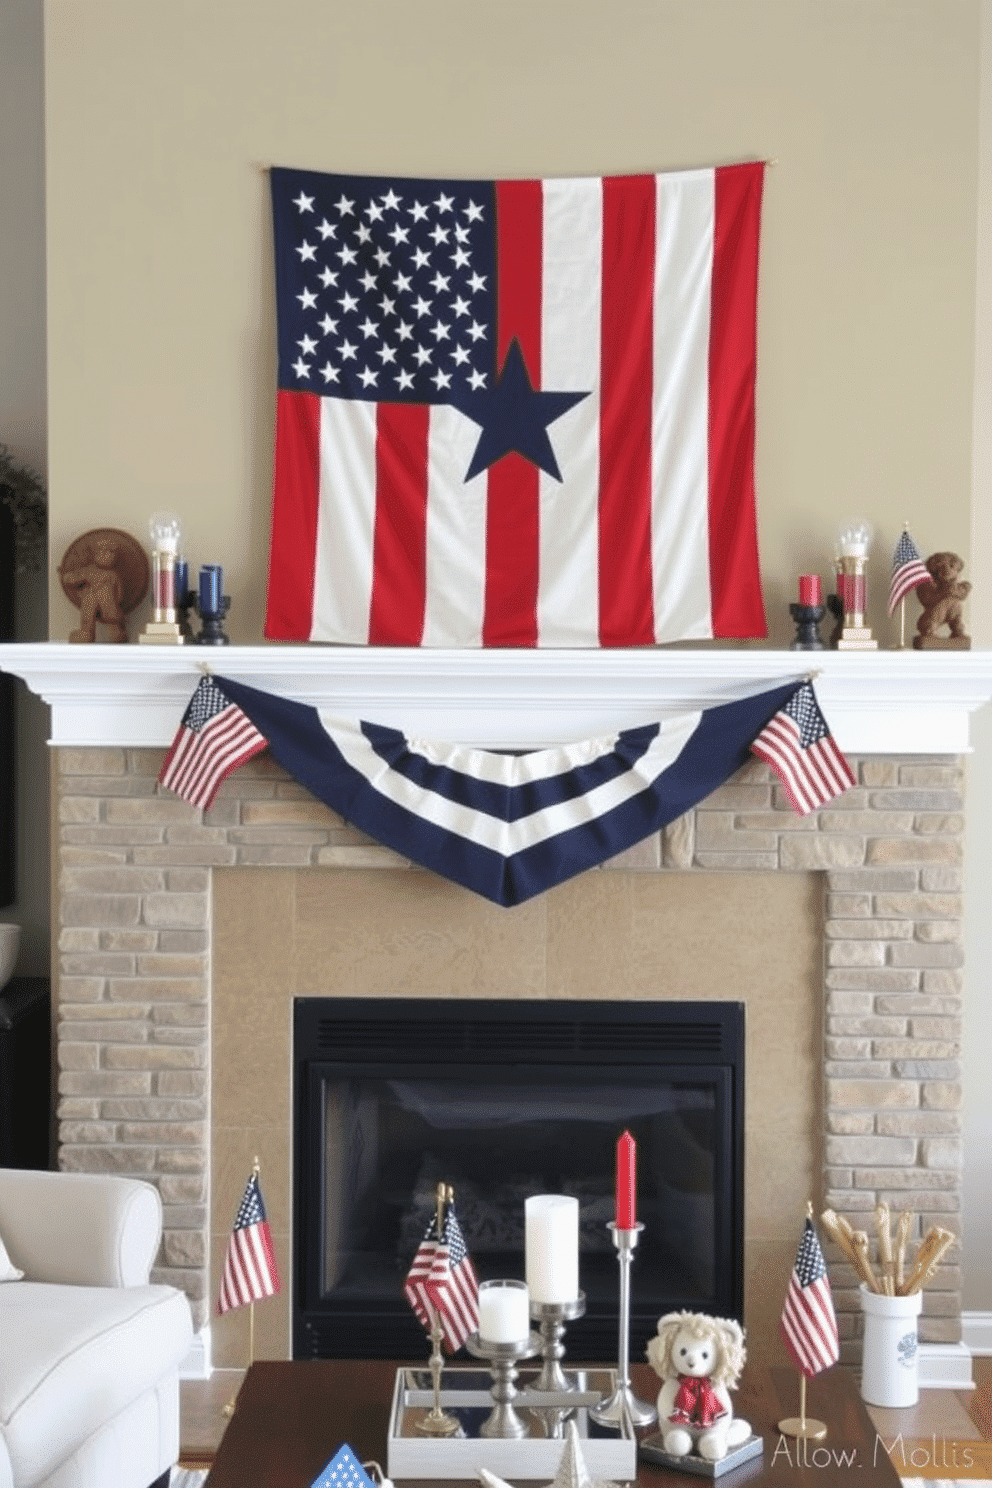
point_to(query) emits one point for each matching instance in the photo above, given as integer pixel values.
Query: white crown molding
(877, 702)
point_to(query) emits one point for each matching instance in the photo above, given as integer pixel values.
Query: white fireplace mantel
(880, 702)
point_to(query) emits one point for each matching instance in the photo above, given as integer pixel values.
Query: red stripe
(295, 500)
(512, 513)
(626, 604)
(399, 544)
(205, 759)
(735, 583)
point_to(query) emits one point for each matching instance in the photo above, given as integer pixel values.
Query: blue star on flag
(514, 416)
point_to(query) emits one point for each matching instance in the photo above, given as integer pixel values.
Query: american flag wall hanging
(515, 413)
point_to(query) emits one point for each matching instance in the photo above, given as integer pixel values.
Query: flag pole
(229, 1407)
(803, 1427)
(437, 1422)
(902, 609)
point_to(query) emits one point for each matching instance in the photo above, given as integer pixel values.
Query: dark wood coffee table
(291, 1417)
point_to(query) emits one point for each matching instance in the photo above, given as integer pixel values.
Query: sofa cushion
(72, 1357)
(8, 1271)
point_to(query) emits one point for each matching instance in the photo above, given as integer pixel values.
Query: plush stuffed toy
(941, 595)
(699, 1360)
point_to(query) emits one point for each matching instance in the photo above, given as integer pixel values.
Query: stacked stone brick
(134, 974)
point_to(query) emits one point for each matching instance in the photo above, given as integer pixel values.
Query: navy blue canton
(803, 710)
(251, 1210)
(810, 1265)
(385, 291)
(207, 701)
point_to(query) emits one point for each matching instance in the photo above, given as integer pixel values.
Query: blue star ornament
(514, 417)
(343, 1471)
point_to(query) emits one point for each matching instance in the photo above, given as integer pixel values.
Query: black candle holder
(807, 622)
(212, 632)
(184, 604)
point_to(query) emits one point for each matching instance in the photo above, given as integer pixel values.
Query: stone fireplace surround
(133, 980)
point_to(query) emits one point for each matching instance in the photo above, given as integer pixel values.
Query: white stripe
(224, 743)
(824, 782)
(833, 767)
(571, 311)
(345, 521)
(680, 436)
(261, 1261)
(508, 838)
(808, 1341)
(512, 769)
(456, 533)
(779, 744)
(809, 1320)
(793, 781)
(821, 1308)
(814, 775)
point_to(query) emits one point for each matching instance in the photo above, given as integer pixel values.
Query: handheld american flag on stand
(908, 570)
(442, 1282)
(515, 413)
(802, 752)
(213, 739)
(250, 1270)
(809, 1324)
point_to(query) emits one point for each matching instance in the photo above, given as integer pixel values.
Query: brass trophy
(852, 564)
(164, 629)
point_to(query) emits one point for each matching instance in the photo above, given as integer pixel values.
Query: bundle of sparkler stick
(895, 1275)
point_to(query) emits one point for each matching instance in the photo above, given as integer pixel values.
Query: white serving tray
(608, 1453)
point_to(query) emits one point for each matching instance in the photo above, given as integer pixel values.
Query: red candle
(809, 589)
(626, 1182)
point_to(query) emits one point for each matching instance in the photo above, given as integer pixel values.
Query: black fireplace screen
(503, 1100)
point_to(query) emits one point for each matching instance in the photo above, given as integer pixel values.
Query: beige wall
(161, 342)
(161, 337)
(977, 1191)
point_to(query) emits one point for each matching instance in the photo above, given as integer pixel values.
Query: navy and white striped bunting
(507, 826)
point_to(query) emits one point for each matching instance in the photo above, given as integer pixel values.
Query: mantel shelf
(879, 702)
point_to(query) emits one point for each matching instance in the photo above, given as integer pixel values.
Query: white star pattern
(344, 1471)
(385, 266)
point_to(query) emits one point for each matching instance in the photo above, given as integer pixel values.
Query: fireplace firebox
(503, 1099)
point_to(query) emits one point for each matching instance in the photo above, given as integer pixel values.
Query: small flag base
(437, 1423)
(856, 638)
(804, 1428)
(162, 633)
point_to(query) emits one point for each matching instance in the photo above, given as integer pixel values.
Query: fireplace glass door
(502, 1101)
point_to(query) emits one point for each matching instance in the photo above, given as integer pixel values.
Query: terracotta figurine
(100, 591)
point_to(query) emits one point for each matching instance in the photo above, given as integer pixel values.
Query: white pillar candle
(504, 1312)
(551, 1235)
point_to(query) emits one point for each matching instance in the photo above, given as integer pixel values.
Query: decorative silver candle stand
(551, 1318)
(623, 1403)
(503, 1360)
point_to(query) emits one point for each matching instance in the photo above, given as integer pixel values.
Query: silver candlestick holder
(503, 1359)
(623, 1404)
(551, 1318)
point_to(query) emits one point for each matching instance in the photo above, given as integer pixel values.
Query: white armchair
(89, 1351)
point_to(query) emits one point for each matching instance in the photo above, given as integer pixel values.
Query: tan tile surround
(848, 960)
